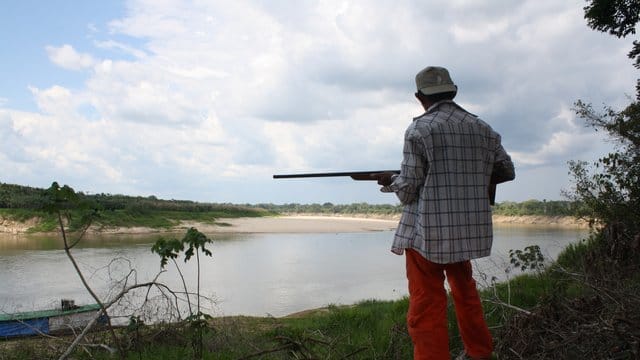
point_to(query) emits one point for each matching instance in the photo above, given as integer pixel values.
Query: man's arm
(413, 167)
(503, 170)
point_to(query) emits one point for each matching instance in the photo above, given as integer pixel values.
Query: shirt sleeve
(412, 170)
(503, 169)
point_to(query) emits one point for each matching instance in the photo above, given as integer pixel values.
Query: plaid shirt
(449, 155)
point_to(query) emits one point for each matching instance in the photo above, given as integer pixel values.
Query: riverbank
(568, 222)
(296, 223)
(329, 224)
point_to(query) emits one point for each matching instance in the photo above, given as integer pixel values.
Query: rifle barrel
(332, 174)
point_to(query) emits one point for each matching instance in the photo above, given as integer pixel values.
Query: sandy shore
(296, 224)
(328, 224)
(568, 222)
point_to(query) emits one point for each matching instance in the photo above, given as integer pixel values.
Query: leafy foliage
(529, 258)
(22, 203)
(615, 17)
(64, 202)
(24, 197)
(167, 249)
(610, 190)
(536, 207)
(195, 243)
(334, 209)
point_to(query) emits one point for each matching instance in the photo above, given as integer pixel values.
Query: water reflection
(19, 242)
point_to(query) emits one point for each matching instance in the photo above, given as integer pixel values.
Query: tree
(598, 276)
(75, 214)
(193, 243)
(609, 191)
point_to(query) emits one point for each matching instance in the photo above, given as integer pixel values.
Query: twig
(93, 321)
(184, 284)
(516, 353)
(103, 309)
(513, 307)
(357, 351)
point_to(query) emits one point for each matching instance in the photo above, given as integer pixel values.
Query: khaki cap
(434, 80)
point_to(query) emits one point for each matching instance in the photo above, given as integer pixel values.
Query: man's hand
(384, 178)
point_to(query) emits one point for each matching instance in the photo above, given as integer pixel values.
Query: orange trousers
(427, 316)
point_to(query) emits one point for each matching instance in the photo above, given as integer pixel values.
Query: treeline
(536, 207)
(30, 198)
(508, 208)
(20, 197)
(334, 209)
(24, 197)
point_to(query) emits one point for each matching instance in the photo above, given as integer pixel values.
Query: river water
(248, 274)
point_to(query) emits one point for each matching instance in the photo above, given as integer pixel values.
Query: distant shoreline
(568, 222)
(300, 223)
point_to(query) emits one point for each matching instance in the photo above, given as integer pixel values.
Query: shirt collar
(437, 104)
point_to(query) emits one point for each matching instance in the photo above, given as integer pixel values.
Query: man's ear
(422, 99)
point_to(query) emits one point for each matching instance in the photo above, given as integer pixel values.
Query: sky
(206, 100)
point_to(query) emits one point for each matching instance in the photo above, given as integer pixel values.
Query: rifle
(355, 175)
(366, 175)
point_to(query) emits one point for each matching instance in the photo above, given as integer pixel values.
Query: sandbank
(329, 224)
(295, 224)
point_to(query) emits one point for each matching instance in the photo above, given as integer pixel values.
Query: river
(248, 274)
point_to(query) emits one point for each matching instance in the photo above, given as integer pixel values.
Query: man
(451, 158)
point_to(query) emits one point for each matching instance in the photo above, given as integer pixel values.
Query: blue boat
(56, 321)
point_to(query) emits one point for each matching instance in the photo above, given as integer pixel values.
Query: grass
(368, 330)
(167, 218)
(43, 222)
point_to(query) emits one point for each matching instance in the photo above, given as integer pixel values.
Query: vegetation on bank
(22, 203)
(508, 208)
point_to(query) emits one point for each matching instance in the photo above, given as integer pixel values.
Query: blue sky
(206, 100)
(28, 27)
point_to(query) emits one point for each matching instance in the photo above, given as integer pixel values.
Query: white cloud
(558, 147)
(55, 100)
(566, 141)
(67, 57)
(212, 93)
(111, 44)
(479, 32)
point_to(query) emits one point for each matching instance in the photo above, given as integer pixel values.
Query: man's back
(451, 215)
